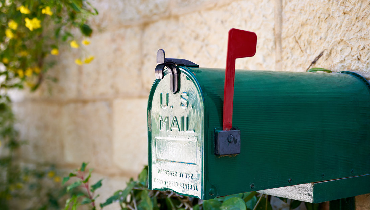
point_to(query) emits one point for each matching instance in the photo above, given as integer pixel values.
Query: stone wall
(97, 112)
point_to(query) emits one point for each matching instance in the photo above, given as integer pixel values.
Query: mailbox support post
(343, 204)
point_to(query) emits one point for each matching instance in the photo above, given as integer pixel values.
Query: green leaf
(57, 32)
(120, 193)
(75, 205)
(86, 201)
(72, 200)
(65, 179)
(145, 203)
(128, 189)
(264, 205)
(97, 185)
(196, 207)
(86, 30)
(251, 202)
(143, 176)
(83, 166)
(225, 198)
(88, 177)
(66, 36)
(294, 204)
(74, 185)
(155, 203)
(170, 204)
(211, 205)
(319, 69)
(96, 11)
(110, 200)
(68, 201)
(75, 7)
(234, 203)
(249, 195)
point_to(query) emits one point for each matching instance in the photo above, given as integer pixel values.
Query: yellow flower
(51, 174)
(30, 84)
(24, 10)
(26, 178)
(33, 24)
(12, 187)
(54, 51)
(28, 72)
(74, 44)
(20, 73)
(5, 60)
(57, 179)
(19, 185)
(13, 25)
(9, 33)
(23, 53)
(89, 59)
(78, 62)
(37, 70)
(86, 42)
(47, 11)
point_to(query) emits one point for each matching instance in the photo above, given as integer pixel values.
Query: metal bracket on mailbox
(171, 64)
(227, 142)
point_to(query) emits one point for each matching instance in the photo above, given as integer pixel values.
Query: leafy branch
(83, 181)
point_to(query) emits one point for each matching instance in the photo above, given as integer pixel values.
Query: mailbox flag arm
(241, 44)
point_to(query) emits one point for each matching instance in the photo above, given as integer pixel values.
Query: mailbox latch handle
(171, 64)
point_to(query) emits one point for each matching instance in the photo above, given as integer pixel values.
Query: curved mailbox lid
(176, 136)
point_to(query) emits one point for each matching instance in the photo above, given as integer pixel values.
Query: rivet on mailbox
(298, 135)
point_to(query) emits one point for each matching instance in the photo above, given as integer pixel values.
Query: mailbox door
(175, 135)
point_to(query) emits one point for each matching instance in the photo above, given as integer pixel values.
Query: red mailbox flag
(241, 44)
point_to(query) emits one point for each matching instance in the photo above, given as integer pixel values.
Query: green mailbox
(298, 135)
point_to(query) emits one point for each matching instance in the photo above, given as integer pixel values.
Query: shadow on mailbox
(298, 135)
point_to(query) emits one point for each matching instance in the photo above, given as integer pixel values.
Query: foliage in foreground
(137, 196)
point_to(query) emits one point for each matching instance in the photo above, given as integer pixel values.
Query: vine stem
(259, 200)
(133, 196)
(87, 187)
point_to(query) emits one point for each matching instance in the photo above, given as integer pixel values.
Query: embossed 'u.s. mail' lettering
(176, 137)
(171, 123)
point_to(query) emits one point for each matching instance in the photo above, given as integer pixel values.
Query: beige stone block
(202, 37)
(130, 151)
(87, 129)
(117, 13)
(363, 202)
(180, 7)
(338, 27)
(116, 68)
(39, 124)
